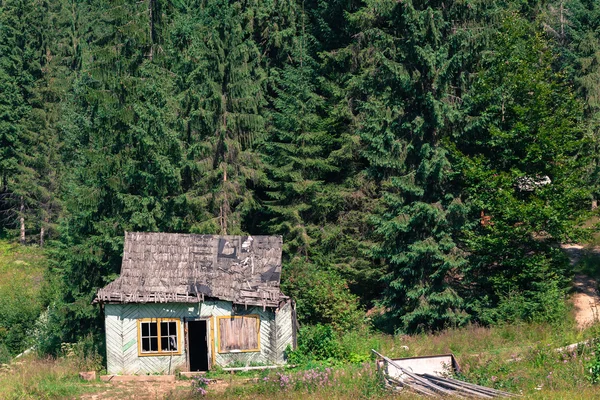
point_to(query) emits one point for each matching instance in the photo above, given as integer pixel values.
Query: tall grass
(346, 382)
(43, 378)
(21, 278)
(502, 340)
(520, 358)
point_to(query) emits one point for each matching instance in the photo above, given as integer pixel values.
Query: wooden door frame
(208, 340)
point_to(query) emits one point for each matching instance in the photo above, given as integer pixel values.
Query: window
(239, 333)
(158, 336)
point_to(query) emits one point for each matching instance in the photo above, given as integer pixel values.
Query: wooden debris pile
(432, 384)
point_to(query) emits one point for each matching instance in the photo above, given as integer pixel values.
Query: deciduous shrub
(594, 366)
(317, 343)
(322, 296)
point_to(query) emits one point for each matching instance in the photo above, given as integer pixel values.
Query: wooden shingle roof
(173, 267)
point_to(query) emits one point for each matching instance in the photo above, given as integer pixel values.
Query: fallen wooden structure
(428, 378)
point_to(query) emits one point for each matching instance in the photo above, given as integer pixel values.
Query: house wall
(276, 333)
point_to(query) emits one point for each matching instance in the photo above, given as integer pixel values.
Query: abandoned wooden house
(189, 302)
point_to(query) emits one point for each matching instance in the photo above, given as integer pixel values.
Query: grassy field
(518, 358)
(35, 378)
(21, 279)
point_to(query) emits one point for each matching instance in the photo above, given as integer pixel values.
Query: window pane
(153, 344)
(145, 344)
(172, 328)
(145, 329)
(164, 343)
(153, 330)
(164, 329)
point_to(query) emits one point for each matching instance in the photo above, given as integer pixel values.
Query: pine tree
(23, 123)
(521, 170)
(298, 151)
(412, 60)
(221, 82)
(124, 154)
(572, 27)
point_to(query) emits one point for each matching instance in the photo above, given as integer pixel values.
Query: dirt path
(137, 390)
(586, 299)
(149, 390)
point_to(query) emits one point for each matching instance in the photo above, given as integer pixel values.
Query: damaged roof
(176, 268)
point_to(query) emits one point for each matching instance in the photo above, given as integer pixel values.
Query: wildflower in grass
(199, 385)
(284, 380)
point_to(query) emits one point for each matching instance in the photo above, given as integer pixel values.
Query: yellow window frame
(238, 316)
(160, 352)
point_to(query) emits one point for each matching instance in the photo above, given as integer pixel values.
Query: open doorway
(198, 345)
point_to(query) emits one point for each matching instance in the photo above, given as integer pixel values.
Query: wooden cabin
(187, 302)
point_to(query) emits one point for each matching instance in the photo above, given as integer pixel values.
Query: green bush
(317, 343)
(4, 354)
(322, 296)
(594, 366)
(545, 302)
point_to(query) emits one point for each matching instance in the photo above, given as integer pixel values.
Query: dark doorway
(198, 345)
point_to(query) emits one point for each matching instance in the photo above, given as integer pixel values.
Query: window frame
(255, 316)
(158, 322)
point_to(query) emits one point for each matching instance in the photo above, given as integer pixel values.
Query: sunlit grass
(44, 378)
(21, 281)
(519, 358)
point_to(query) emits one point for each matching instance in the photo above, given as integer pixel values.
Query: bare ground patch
(586, 298)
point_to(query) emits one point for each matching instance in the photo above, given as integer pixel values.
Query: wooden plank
(114, 342)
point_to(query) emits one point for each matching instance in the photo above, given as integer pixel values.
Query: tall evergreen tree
(298, 152)
(23, 126)
(573, 27)
(521, 170)
(412, 59)
(221, 81)
(125, 155)
(307, 163)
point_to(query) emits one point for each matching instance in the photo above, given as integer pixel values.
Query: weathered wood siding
(122, 335)
(285, 326)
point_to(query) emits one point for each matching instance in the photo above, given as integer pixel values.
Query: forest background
(423, 160)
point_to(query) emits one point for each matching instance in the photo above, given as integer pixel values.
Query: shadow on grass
(589, 264)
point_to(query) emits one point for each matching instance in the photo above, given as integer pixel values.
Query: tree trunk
(43, 232)
(22, 220)
(151, 27)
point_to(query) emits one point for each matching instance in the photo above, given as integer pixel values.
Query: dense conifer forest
(422, 159)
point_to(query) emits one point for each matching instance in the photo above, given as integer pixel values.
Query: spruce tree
(124, 155)
(521, 172)
(412, 61)
(221, 82)
(23, 125)
(298, 154)
(572, 28)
